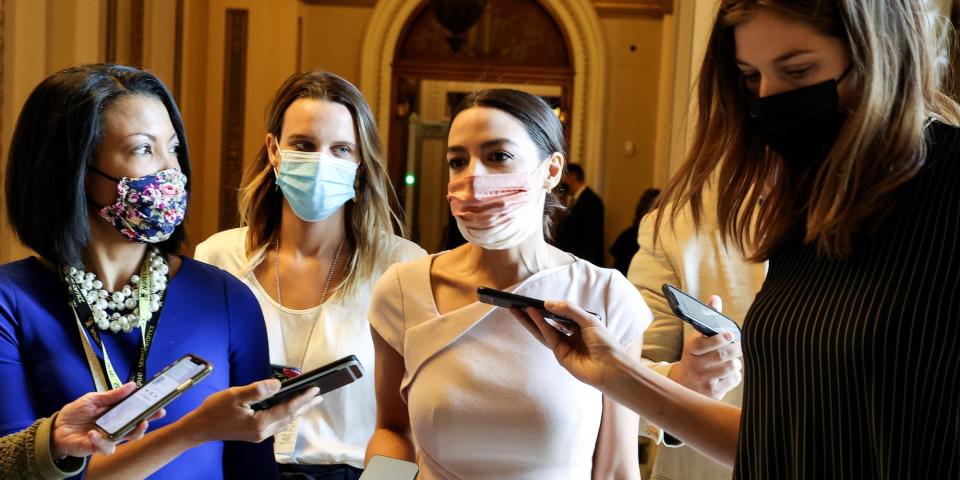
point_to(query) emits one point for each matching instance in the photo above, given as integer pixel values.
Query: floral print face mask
(148, 209)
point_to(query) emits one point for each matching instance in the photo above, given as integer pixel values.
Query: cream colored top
(486, 399)
(336, 431)
(701, 264)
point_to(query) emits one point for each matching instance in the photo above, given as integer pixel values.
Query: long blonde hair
(369, 215)
(882, 144)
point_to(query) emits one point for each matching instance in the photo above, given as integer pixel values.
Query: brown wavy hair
(369, 215)
(882, 145)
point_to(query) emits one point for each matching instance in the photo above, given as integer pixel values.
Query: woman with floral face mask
(460, 379)
(97, 186)
(318, 235)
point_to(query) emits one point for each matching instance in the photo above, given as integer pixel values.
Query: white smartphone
(162, 389)
(387, 468)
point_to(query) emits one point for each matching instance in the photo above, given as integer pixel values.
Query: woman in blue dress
(97, 185)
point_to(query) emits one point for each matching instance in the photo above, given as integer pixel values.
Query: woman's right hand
(226, 415)
(586, 353)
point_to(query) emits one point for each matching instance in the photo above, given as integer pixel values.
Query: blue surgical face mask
(315, 184)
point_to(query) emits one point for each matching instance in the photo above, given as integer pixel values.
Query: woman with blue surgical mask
(317, 233)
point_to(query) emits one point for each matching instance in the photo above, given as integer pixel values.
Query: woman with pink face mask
(462, 389)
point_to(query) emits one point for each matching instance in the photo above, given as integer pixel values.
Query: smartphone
(512, 300)
(702, 317)
(162, 389)
(327, 378)
(386, 468)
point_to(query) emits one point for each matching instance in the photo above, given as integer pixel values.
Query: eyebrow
(780, 59)
(496, 142)
(151, 137)
(142, 134)
(310, 138)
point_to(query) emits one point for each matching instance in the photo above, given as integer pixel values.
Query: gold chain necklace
(323, 298)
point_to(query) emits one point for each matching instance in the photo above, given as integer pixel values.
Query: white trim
(685, 40)
(587, 44)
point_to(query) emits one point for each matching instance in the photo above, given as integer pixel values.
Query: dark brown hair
(54, 144)
(882, 144)
(541, 124)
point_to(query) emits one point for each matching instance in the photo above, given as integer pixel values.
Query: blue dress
(207, 312)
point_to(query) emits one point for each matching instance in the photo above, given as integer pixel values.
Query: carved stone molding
(137, 12)
(234, 93)
(634, 7)
(342, 3)
(110, 54)
(509, 32)
(178, 51)
(137, 18)
(586, 42)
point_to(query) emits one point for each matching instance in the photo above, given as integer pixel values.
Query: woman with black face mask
(835, 157)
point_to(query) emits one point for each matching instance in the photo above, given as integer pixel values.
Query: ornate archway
(585, 41)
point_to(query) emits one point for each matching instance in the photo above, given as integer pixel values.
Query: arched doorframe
(588, 48)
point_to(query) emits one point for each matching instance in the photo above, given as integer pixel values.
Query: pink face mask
(497, 211)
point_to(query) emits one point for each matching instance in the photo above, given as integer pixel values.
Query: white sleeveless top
(336, 431)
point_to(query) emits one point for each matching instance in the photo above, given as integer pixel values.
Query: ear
(273, 153)
(554, 170)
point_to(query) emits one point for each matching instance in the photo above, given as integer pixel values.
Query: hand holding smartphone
(162, 389)
(702, 317)
(327, 378)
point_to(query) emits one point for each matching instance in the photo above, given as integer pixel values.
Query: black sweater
(852, 367)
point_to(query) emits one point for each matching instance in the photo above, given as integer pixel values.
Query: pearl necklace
(124, 300)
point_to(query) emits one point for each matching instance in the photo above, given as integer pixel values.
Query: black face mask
(800, 125)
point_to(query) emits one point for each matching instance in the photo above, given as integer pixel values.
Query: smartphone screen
(690, 308)
(387, 468)
(150, 395)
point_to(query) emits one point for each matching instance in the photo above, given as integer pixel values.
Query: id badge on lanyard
(105, 376)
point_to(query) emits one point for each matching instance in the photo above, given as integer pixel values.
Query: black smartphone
(702, 317)
(388, 468)
(503, 299)
(327, 378)
(162, 389)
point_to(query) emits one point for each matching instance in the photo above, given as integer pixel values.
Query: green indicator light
(410, 179)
